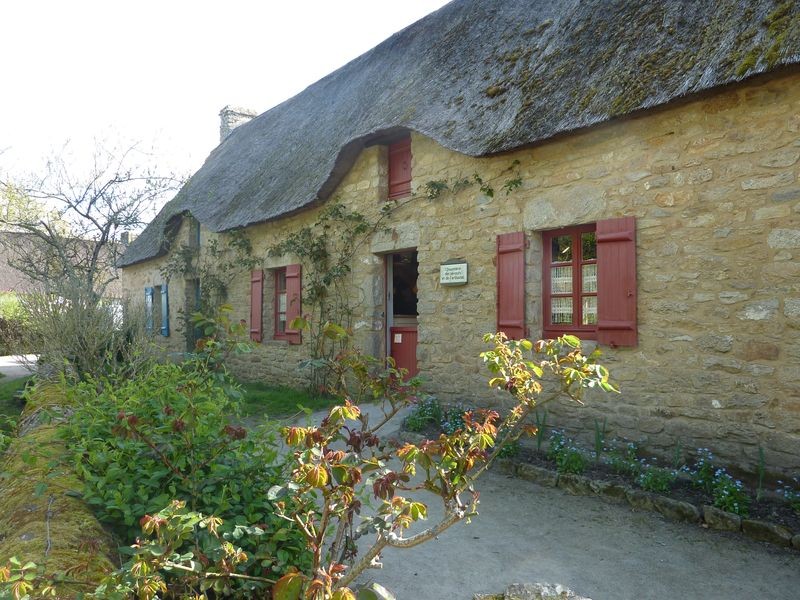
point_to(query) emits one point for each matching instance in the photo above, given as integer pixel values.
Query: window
(280, 302)
(570, 281)
(589, 282)
(148, 309)
(156, 308)
(287, 303)
(400, 168)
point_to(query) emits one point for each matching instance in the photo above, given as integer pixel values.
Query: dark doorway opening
(402, 271)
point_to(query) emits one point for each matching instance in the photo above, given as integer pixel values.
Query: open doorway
(402, 270)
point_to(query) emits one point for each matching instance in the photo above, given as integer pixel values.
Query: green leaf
(571, 340)
(334, 332)
(300, 324)
(276, 492)
(418, 510)
(288, 587)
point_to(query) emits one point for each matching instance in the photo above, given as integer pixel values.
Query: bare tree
(73, 224)
(67, 241)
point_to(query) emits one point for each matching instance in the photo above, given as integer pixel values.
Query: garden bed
(768, 508)
(769, 519)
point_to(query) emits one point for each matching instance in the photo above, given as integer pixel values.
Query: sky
(157, 73)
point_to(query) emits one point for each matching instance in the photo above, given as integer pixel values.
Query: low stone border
(536, 591)
(707, 516)
(42, 516)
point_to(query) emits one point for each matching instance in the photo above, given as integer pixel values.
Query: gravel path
(526, 533)
(14, 366)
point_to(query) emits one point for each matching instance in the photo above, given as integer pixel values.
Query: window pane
(561, 280)
(562, 248)
(590, 278)
(589, 310)
(282, 323)
(588, 246)
(560, 311)
(281, 280)
(282, 302)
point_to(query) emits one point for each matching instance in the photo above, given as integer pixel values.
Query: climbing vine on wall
(326, 249)
(214, 266)
(435, 188)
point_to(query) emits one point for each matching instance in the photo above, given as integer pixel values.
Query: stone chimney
(231, 117)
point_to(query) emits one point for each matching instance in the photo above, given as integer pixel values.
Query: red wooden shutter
(511, 284)
(293, 303)
(256, 304)
(400, 168)
(616, 282)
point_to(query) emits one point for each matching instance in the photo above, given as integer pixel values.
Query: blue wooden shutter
(148, 309)
(164, 310)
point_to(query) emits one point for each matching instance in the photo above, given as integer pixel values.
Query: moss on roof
(481, 78)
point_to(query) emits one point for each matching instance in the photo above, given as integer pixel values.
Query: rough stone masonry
(713, 185)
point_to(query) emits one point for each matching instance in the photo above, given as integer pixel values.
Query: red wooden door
(404, 348)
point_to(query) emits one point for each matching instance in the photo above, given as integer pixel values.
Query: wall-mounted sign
(453, 272)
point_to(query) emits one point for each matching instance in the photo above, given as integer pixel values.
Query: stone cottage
(650, 151)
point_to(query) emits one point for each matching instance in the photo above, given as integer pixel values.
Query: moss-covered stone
(42, 518)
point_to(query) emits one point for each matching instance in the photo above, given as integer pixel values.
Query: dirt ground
(526, 533)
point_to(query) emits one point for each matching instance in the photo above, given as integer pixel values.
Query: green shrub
(569, 458)
(729, 494)
(12, 335)
(656, 479)
(141, 443)
(453, 419)
(791, 494)
(427, 411)
(328, 491)
(702, 475)
(622, 459)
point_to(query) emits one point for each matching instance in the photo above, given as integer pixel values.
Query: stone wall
(713, 186)
(143, 275)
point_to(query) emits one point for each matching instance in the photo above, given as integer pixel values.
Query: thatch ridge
(481, 78)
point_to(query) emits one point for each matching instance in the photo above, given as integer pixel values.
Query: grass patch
(278, 402)
(8, 406)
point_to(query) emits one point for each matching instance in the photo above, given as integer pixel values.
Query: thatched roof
(480, 78)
